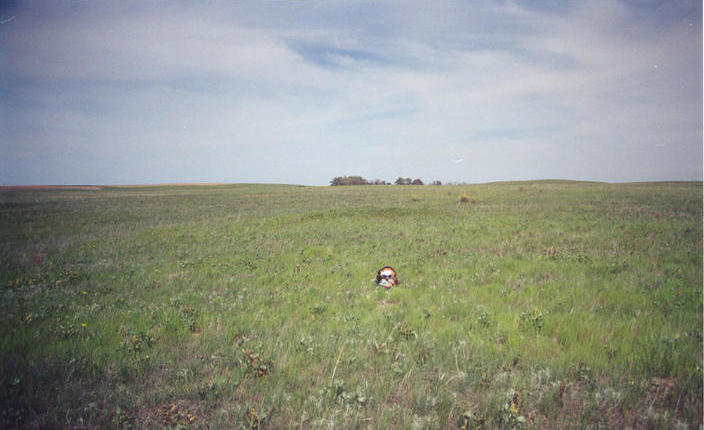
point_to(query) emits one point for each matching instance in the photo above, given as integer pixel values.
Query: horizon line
(212, 184)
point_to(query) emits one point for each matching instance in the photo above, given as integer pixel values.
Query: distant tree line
(408, 181)
(358, 180)
(355, 180)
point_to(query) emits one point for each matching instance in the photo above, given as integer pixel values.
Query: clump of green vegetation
(253, 306)
(464, 198)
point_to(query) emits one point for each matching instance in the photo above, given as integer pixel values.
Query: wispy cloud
(301, 92)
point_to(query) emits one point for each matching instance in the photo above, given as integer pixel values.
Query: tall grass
(538, 304)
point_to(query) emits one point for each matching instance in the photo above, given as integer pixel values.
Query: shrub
(408, 181)
(348, 180)
(379, 182)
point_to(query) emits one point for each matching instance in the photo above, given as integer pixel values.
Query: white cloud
(516, 92)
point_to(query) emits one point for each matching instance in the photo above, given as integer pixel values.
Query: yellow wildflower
(513, 409)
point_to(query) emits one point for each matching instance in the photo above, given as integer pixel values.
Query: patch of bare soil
(387, 302)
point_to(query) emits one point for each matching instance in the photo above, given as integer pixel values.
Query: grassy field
(521, 305)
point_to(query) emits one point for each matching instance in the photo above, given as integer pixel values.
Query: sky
(298, 92)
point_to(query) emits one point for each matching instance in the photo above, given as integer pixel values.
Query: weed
(407, 333)
(256, 365)
(510, 415)
(532, 319)
(470, 419)
(305, 344)
(173, 416)
(343, 396)
(483, 319)
(135, 348)
(187, 314)
(256, 420)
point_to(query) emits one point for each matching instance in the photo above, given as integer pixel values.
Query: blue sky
(298, 92)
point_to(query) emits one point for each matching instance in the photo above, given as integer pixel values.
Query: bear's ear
(396, 281)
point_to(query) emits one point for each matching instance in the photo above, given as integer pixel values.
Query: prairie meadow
(544, 304)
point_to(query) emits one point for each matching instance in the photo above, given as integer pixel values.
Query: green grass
(534, 304)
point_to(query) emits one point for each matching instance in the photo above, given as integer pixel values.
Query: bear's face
(386, 277)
